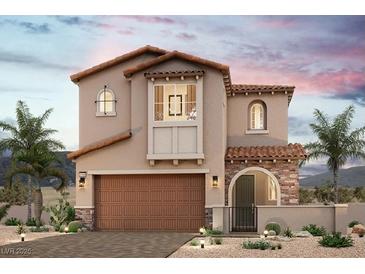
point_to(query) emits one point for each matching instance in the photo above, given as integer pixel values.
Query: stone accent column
(209, 217)
(287, 174)
(86, 216)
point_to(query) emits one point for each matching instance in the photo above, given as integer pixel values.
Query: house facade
(169, 143)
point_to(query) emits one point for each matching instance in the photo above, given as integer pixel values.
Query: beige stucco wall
(277, 120)
(130, 155)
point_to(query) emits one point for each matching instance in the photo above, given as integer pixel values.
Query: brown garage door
(150, 202)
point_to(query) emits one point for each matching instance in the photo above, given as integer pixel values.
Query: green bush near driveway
(13, 221)
(336, 240)
(212, 232)
(260, 244)
(74, 226)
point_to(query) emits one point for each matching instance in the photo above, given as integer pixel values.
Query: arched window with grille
(257, 114)
(106, 102)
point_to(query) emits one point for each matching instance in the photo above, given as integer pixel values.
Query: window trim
(251, 130)
(98, 101)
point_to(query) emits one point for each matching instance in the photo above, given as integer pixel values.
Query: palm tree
(336, 142)
(39, 163)
(27, 134)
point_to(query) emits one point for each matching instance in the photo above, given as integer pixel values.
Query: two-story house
(168, 143)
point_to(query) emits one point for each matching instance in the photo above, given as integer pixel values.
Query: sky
(322, 56)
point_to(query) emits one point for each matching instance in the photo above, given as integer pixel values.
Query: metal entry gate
(243, 219)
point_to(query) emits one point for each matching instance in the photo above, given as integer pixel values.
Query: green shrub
(32, 222)
(21, 229)
(39, 229)
(13, 221)
(194, 242)
(273, 226)
(16, 194)
(211, 232)
(271, 233)
(4, 211)
(353, 223)
(61, 213)
(315, 230)
(336, 240)
(288, 233)
(306, 196)
(261, 244)
(74, 226)
(218, 241)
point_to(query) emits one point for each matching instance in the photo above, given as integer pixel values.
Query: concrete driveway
(99, 245)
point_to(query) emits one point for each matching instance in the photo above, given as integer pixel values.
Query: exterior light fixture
(201, 230)
(22, 236)
(66, 229)
(266, 233)
(202, 242)
(215, 181)
(82, 178)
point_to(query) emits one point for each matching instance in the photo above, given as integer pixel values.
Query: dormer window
(105, 103)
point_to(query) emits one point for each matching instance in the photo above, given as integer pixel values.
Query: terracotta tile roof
(100, 144)
(77, 76)
(162, 74)
(250, 89)
(177, 54)
(290, 151)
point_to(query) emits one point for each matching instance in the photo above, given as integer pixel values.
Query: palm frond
(56, 173)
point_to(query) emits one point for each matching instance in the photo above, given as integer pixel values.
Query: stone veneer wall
(208, 217)
(86, 216)
(287, 174)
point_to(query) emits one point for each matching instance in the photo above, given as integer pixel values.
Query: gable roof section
(251, 89)
(146, 49)
(224, 69)
(100, 144)
(290, 151)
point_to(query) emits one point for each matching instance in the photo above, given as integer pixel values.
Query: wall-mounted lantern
(215, 181)
(82, 178)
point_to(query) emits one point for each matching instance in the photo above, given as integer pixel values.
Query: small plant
(21, 229)
(194, 242)
(61, 214)
(273, 247)
(361, 234)
(353, 223)
(271, 233)
(218, 241)
(13, 222)
(32, 222)
(39, 229)
(273, 226)
(336, 240)
(279, 246)
(262, 245)
(315, 230)
(4, 211)
(288, 233)
(211, 232)
(74, 226)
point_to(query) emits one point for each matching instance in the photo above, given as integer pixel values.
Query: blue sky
(323, 56)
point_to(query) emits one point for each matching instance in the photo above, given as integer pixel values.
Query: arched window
(257, 116)
(271, 190)
(106, 102)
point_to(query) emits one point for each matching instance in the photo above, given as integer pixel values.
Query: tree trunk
(38, 206)
(335, 181)
(29, 200)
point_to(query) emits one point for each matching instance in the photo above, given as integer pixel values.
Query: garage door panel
(150, 202)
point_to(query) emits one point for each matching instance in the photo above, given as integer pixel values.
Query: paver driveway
(100, 245)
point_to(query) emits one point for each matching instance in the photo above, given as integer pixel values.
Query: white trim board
(147, 171)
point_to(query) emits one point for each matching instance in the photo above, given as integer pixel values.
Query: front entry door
(244, 210)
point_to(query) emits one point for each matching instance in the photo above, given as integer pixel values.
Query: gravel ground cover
(295, 248)
(8, 235)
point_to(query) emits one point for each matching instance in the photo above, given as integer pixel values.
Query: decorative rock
(358, 229)
(302, 234)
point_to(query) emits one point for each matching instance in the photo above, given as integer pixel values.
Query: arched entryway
(248, 188)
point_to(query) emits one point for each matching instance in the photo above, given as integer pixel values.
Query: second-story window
(106, 102)
(257, 116)
(175, 102)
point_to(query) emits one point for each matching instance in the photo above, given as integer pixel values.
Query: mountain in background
(65, 163)
(352, 177)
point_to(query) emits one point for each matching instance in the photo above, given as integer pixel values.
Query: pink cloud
(151, 19)
(277, 22)
(186, 36)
